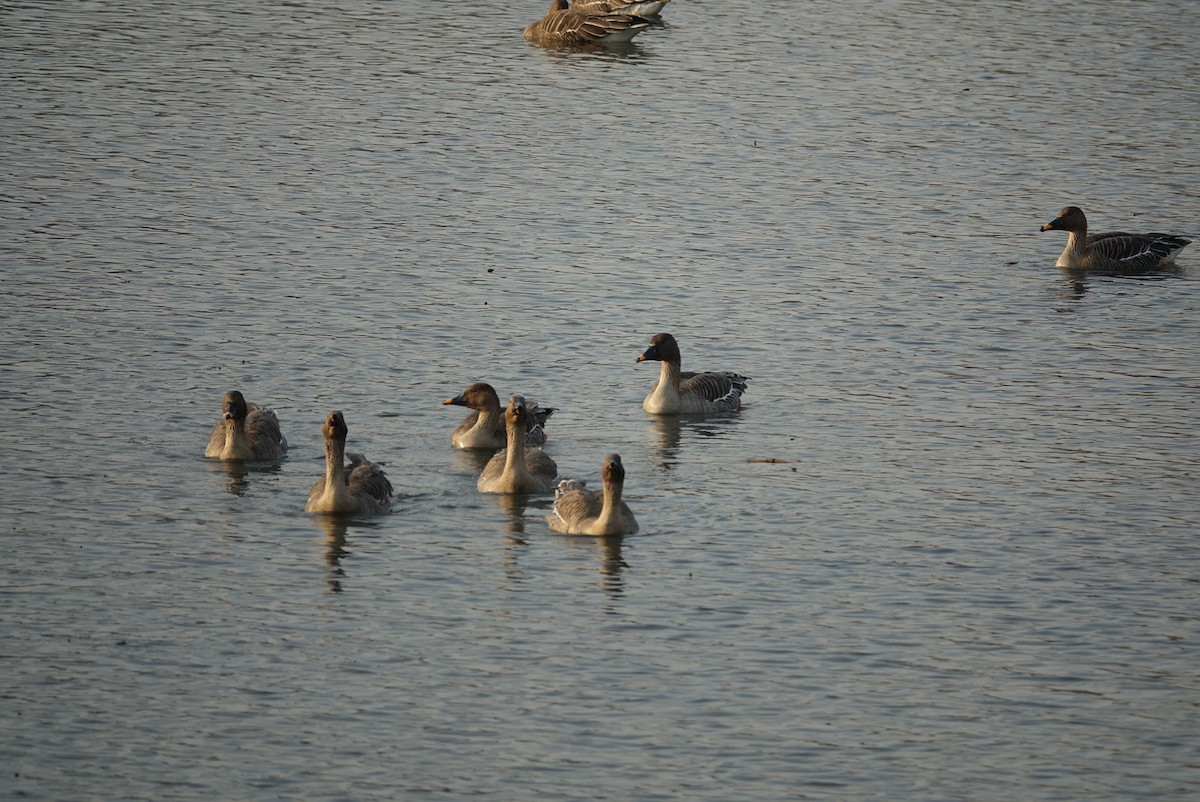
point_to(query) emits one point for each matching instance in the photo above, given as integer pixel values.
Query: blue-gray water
(972, 575)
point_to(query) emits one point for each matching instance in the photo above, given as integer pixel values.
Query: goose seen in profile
(680, 393)
(565, 27)
(246, 432)
(1114, 250)
(360, 487)
(517, 469)
(579, 511)
(483, 428)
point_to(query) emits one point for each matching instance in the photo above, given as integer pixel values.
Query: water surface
(947, 551)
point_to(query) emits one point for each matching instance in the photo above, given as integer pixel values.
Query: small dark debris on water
(771, 460)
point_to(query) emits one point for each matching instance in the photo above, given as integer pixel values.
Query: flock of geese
(352, 484)
(515, 433)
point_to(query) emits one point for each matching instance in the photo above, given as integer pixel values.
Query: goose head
(662, 348)
(1069, 219)
(234, 406)
(335, 427)
(613, 471)
(478, 396)
(517, 413)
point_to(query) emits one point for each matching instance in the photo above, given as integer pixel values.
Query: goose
(679, 393)
(515, 468)
(579, 511)
(1115, 250)
(563, 27)
(484, 427)
(246, 432)
(360, 487)
(636, 8)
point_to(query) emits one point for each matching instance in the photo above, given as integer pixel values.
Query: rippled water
(948, 550)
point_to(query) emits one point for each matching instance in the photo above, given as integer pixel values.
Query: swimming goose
(679, 393)
(484, 428)
(1115, 250)
(563, 27)
(360, 487)
(246, 432)
(636, 8)
(516, 469)
(580, 511)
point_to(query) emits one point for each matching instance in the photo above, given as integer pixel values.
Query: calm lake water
(948, 551)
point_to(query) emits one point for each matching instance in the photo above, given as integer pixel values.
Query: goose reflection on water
(612, 562)
(517, 509)
(608, 551)
(474, 458)
(237, 475)
(1077, 282)
(336, 544)
(513, 507)
(335, 550)
(616, 54)
(672, 432)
